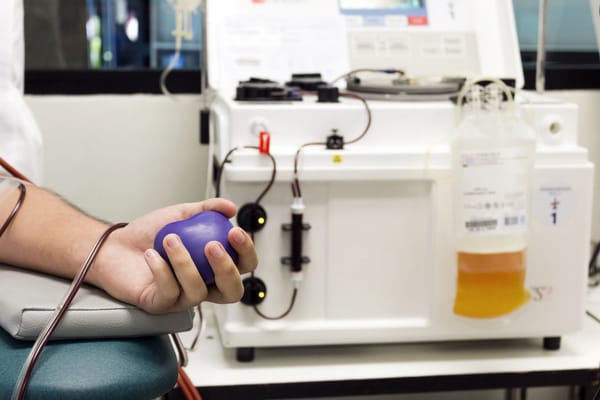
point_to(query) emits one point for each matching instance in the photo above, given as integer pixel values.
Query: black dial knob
(255, 291)
(251, 217)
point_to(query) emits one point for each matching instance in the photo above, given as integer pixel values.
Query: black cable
(42, 340)
(296, 191)
(226, 160)
(297, 156)
(39, 344)
(369, 115)
(15, 209)
(12, 170)
(220, 171)
(592, 269)
(284, 314)
(256, 203)
(271, 180)
(200, 322)
(17, 174)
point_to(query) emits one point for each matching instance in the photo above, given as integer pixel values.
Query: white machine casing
(383, 265)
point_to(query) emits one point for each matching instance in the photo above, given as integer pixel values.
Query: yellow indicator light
(261, 295)
(261, 220)
(337, 159)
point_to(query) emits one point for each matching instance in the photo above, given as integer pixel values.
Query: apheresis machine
(398, 185)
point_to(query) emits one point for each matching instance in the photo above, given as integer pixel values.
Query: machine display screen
(414, 11)
(389, 5)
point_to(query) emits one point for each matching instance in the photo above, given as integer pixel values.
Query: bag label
(493, 187)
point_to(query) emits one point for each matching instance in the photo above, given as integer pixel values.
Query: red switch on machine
(264, 140)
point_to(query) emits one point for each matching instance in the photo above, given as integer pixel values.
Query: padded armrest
(116, 369)
(28, 300)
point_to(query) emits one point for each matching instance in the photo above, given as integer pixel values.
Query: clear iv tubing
(458, 109)
(27, 369)
(510, 93)
(182, 29)
(174, 59)
(465, 89)
(505, 88)
(208, 187)
(206, 93)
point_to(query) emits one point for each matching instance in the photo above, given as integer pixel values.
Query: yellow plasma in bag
(490, 284)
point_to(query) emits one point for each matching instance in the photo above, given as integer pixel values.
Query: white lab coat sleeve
(20, 137)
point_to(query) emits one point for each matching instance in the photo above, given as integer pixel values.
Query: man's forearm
(51, 236)
(47, 234)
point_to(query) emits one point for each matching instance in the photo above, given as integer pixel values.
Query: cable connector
(297, 206)
(296, 278)
(335, 141)
(328, 94)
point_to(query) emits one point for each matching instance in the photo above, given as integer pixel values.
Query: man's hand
(129, 269)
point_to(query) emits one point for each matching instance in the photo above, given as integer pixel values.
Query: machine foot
(516, 394)
(552, 343)
(244, 354)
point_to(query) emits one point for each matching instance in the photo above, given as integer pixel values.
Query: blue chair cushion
(133, 368)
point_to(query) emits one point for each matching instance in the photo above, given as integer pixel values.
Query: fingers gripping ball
(195, 232)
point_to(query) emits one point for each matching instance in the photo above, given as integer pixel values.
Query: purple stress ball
(195, 232)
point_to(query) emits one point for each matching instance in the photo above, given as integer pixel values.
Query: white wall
(118, 157)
